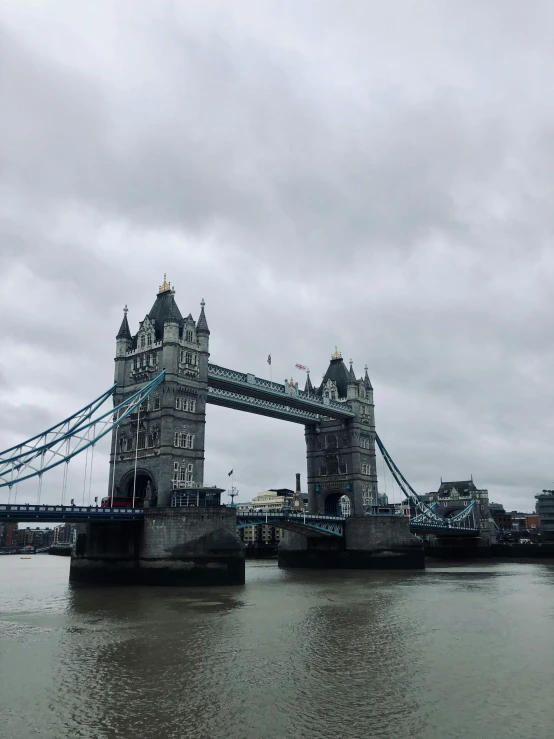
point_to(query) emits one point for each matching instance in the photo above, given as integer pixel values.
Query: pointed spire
(202, 325)
(367, 381)
(172, 314)
(124, 331)
(351, 374)
(308, 387)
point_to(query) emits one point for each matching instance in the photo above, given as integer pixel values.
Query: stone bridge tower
(165, 439)
(341, 455)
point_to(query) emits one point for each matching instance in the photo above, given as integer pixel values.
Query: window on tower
(142, 342)
(149, 339)
(183, 440)
(189, 335)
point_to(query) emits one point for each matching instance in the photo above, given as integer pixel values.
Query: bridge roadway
(246, 392)
(299, 522)
(326, 525)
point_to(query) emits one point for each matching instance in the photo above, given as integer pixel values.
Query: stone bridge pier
(171, 546)
(373, 542)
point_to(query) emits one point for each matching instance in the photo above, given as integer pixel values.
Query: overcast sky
(373, 175)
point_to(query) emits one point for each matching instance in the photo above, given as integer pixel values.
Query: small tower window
(189, 335)
(157, 403)
(149, 339)
(142, 342)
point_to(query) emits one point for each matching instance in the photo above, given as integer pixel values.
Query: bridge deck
(70, 514)
(443, 530)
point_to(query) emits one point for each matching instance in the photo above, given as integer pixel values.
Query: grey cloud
(358, 176)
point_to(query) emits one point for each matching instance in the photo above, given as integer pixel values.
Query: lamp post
(233, 494)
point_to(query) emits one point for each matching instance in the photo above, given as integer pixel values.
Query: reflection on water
(461, 651)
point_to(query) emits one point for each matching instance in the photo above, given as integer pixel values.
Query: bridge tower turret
(122, 346)
(341, 455)
(163, 443)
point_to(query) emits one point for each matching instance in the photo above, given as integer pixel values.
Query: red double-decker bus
(120, 502)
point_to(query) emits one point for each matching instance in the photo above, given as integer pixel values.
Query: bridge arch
(126, 484)
(331, 502)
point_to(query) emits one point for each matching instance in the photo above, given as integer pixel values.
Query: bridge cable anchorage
(22, 462)
(427, 517)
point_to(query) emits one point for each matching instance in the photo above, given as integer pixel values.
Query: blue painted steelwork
(462, 515)
(73, 422)
(240, 402)
(303, 523)
(62, 448)
(444, 529)
(273, 393)
(427, 519)
(74, 514)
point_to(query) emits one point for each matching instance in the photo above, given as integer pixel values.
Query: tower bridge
(163, 382)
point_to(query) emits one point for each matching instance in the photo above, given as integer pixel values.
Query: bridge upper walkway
(246, 392)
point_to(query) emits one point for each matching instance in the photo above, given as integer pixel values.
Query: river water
(455, 651)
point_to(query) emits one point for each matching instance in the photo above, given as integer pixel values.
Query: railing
(63, 513)
(326, 525)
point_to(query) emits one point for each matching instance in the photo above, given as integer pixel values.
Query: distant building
(64, 534)
(545, 512)
(274, 499)
(519, 520)
(501, 518)
(453, 497)
(8, 535)
(35, 537)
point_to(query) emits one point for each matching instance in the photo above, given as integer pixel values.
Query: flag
(229, 473)
(269, 358)
(301, 366)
